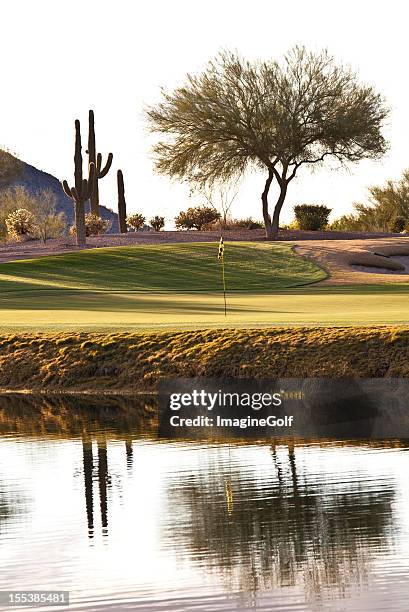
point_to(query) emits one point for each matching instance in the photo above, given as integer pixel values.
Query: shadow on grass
(211, 303)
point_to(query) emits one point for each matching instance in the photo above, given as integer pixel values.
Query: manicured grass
(178, 287)
(175, 267)
(64, 310)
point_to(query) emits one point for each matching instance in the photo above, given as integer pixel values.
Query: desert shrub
(386, 209)
(42, 205)
(94, 225)
(48, 223)
(247, 223)
(368, 219)
(312, 217)
(157, 223)
(197, 217)
(347, 223)
(11, 200)
(20, 223)
(399, 224)
(52, 225)
(135, 221)
(293, 225)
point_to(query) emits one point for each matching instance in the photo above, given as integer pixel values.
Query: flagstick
(224, 288)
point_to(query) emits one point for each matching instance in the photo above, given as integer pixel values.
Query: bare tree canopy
(272, 116)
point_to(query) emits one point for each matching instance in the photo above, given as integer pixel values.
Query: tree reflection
(88, 466)
(104, 482)
(282, 531)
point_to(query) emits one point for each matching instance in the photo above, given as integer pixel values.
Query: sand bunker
(382, 260)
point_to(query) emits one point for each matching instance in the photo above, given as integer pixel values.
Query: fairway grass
(88, 311)
(178, 287)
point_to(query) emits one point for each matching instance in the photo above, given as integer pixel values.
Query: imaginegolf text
(209, 401)
(243, 423)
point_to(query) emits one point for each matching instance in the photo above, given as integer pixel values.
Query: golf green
(179, 287)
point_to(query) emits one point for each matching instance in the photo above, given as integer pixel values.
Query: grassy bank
(135, 362)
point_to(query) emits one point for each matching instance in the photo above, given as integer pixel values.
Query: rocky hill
(35, 180)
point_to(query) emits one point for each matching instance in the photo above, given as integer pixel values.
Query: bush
(42, 206)
(53, 225)
(293, 225)
(20, 223)
(94, 225)
(135, 221)
(49, 223)
(247, 223)
(312, 217)
(198, 217)
(157, 223)
(399, 224)
(11, 200)
(347, 223)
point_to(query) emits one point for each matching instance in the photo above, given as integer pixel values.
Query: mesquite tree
(273, 116)
(82, 189)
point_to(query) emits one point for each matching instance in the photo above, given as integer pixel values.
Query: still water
(95, 502)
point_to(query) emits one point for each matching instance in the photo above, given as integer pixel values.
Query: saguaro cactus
(82, 190)
(121, 203)
(96, 159)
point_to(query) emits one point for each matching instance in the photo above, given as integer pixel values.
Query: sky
(60, 59)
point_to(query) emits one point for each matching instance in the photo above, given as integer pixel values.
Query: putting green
(172, 267)
(178, 287)
(63, 310)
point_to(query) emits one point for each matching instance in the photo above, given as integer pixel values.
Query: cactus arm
(106, 168)
(74, 194)
(91, 136)
(66, 189)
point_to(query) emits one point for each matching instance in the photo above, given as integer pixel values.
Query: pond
(93, 500)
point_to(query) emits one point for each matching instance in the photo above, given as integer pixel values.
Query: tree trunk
(275, 226)
(80, 223)
(264, 200)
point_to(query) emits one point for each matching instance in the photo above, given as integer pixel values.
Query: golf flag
(220, 254)
(220, 257)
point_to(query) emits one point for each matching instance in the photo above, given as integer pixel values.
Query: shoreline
(132, 363)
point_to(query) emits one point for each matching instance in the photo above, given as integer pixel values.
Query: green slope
(176, 267)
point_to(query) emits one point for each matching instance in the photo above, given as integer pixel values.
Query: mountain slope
(35, 180)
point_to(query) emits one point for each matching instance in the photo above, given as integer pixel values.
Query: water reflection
(255, 520)
(279, 530)
(88, 464)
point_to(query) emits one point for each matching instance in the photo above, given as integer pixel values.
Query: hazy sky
(61, 58)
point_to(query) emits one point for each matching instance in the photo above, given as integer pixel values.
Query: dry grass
(134, 362)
